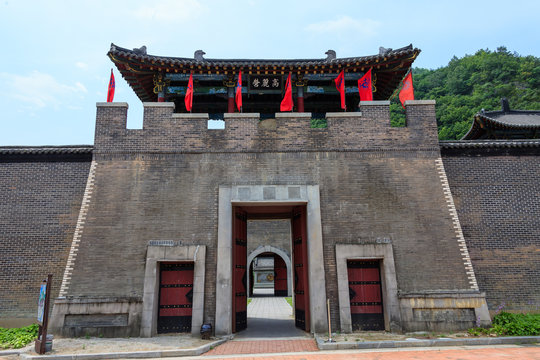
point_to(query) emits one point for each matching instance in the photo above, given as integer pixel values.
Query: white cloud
(38, 89)
(170, 10)
(81, 65)
(362, 27)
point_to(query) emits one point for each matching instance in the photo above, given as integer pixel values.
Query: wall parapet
(166, 131)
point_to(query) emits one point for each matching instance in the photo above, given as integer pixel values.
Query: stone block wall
(496, 191)
(41, 191)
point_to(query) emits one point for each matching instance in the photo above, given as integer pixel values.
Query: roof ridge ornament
(331, 55)
(140, 51)
(505, 105)
(198, 56)
(383, 51)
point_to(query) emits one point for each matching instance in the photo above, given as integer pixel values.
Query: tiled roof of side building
(504, 121)
(65, 149)
(26, 154)
(471, 144)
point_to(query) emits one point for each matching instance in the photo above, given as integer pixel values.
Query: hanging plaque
(265, 83)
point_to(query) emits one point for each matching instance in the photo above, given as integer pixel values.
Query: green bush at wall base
(16, 338)
(507, 324)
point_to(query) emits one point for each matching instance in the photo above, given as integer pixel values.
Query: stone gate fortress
(146, 231)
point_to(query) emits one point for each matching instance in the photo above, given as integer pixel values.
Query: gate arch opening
(268, 249)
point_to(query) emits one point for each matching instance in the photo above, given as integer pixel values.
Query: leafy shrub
(517, 324)
(18, 337)
(507, 324)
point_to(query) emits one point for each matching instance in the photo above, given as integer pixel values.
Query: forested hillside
(468, 84)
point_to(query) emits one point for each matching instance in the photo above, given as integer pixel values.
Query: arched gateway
(277, 252)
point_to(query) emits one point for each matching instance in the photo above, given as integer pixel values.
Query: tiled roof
(70, 149)
(505, 120)
(167, 60)
(139, 68)
(471, 144)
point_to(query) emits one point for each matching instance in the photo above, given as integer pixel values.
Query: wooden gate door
(175, 297)
(365, 295)
(301, 289)
(239, 249)
(280, 276)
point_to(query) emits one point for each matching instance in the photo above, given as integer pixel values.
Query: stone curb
(128, 355)
(511, 340)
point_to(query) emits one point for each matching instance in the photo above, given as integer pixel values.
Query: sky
(54, 68)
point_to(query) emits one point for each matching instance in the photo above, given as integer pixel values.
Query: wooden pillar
(161, 96)
(230, 99)
(300, 96)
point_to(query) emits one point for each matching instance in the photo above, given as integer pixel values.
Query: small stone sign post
(43, 314)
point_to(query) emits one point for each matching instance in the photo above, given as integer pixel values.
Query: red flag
(407, 91)
(188, 100)
(287, 103)
(110, 91)
(364, 87)
(340, 86)
(238, 95)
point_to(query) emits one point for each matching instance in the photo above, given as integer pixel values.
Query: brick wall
(496, 192)
(275, 233)
(365, 197)
(40, 196)
(161, 182)
(164, 131)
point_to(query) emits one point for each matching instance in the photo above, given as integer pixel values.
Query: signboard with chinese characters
(265, 84)
(41, 303)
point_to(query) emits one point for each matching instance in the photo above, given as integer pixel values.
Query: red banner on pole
(340, 86)
(238, 95)
(364, 87)
(110, 91)
(188, 100)
(287, 102)
(407, 91)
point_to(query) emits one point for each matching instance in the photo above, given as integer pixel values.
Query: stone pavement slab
(264, 347)
(499, 352)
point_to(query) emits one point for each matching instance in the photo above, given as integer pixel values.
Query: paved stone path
(497, 352)
(270, 329)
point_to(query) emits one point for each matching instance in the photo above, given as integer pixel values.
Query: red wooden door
(301, 288)
(365, 295)
(280, 276)
(239, 248)
(175, 297)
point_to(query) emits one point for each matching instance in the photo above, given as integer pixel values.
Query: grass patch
(15, 338)
(289, 301)
(507, 324)
(249, 300)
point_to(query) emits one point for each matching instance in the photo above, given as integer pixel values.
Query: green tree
(474, 82)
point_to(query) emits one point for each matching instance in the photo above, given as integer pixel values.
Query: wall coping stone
(339, 115)
(419, 102)
(158, 104)
(442, 294)
(374, 103)
(241, 115)
(294, 115)
(88, 300)
(190, 116)
(112, 104)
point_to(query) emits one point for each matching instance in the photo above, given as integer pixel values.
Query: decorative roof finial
(505, 105)
(383, 51)
(199, 55)
(140, 51)
(331, 55)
